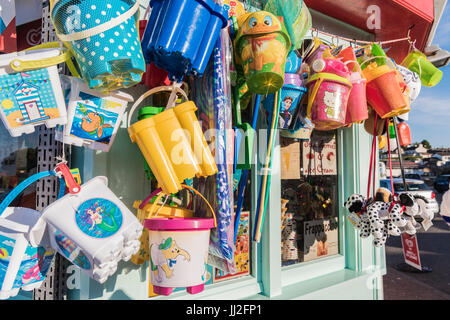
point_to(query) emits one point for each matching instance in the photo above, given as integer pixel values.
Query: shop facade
(321, 255)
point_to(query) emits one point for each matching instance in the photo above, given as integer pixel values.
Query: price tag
(426, 224)
(354, 218)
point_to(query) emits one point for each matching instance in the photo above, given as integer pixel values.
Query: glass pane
(309, 184)
(18, 161)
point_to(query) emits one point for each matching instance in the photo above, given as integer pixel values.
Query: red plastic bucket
(404, 134)
(153, 76)
(384, 92)
(357, 101)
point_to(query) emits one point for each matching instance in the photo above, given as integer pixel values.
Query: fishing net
(296, 16)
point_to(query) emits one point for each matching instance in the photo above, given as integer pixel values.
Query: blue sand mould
(181, 35)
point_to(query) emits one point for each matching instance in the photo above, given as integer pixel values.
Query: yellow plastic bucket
(172, 142)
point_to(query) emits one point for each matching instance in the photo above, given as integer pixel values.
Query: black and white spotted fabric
(355, 203)
(396, 216)
(376, 211)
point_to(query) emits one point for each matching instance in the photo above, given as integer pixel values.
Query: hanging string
(407, 38)
(62, 158)
(390, 159)
(372, 160)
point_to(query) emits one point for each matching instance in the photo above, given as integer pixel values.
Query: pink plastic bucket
(327, 101)
(178, 250)
(357, 101)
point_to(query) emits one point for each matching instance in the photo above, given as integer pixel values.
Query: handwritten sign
(319, 156)
(290, 161)
(411, 251)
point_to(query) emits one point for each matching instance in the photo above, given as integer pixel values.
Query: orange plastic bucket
(384, 93)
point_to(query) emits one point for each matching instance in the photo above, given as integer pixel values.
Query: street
(434, 248)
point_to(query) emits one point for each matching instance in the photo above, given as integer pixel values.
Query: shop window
(18, 161)
(310, 211)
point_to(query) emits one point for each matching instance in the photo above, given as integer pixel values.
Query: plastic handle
(22, 186)
(153, 91)
(378, 57)
(72, 185)
(313, 96)
(23, 65)
(114, 22)
(15, 226)
(161, 194)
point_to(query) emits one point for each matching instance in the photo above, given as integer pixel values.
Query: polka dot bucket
(104, 36)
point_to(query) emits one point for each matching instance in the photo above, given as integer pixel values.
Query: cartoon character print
(286, 114)
(99, 218)
(163, 258)
(412, 80)
(333, 101)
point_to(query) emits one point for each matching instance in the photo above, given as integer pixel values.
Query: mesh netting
(104, 36)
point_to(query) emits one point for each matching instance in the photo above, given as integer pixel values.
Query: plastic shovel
(243, 182)
(265, 183)
(244, 135)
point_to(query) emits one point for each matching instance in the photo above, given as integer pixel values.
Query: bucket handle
(25, 65)
(114, 22)
(18, 227)
(161, 194)
(378, 57)
(173, 88)
(312, 96)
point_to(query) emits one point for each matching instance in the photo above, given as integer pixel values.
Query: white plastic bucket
(178, 253)
(93, 229)
(178, 249)
(32, 97)
(93, 118)
(22, 266)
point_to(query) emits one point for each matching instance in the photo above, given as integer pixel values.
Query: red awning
(396, 17)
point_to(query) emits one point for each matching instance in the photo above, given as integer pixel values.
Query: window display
(309, 184)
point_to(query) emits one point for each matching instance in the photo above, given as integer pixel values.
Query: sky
(429, 117)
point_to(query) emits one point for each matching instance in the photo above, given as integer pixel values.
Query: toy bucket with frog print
(328, 93)
(178, 249)
(384, 93)
(93, 117)
(93, 229)
(23, 263)
(105, 39)
(30, 90)
(172, 142)
(262, 46)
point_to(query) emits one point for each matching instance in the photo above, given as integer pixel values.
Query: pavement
(411, 284)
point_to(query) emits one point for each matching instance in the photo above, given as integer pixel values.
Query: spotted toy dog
(379, 217)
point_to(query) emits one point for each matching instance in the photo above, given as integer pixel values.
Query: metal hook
(332, 40)
(317, 33)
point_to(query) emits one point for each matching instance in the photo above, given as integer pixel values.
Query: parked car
(441, 183)
(414, 186)
(415, 176)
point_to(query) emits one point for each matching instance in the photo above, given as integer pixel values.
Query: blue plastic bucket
(111, 59)
(290, 96)
(181, 34)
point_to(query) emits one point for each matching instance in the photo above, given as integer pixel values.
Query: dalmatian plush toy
(369, 221)
(380, 218)
(415, 205)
